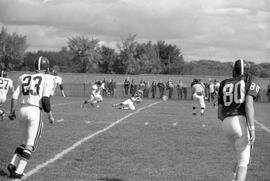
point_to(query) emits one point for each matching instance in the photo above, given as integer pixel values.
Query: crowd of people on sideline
(157, 89)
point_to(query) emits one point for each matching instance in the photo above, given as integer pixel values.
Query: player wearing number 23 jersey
(236, 111)
(34, 96)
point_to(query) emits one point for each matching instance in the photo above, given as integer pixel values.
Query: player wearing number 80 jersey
(235, 109)
(34, 94)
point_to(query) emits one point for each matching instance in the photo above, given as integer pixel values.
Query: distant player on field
(34, 96)
(129, 103)
(6, 84)
(198, 96)
(96, 97)
(236, 111)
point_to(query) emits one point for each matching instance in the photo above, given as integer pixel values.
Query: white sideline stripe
(76, 144)
(263, 127)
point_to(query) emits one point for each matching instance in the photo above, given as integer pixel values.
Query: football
(164, 98)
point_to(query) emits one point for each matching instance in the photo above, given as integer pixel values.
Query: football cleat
(17, 176)
(11, 169)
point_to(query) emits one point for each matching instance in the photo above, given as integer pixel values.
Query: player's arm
(60, 83)
(62, 90)
(220, 104)
(13, 103)
(249, 107)
(46, 105)
(45, 100)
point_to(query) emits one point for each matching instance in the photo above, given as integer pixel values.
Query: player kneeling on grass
(198, 96)
(236, 111)
(129, 103)
(32, 90)
(95, 97)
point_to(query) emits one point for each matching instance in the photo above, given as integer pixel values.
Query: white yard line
(76, 144)
(263, 127)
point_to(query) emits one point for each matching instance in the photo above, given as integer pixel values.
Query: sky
(223, 30)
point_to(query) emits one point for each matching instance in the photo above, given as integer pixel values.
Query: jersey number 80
(236, 92)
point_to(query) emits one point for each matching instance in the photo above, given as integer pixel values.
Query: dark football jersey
(232, 94)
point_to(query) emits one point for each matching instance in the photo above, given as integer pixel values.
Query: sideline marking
(262, 126)
(78, 143)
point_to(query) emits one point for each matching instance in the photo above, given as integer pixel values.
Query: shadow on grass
(110, 179)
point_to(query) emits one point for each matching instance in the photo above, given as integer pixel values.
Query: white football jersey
(198, 87)
(5, 85)
(56, 81)
(32, 87)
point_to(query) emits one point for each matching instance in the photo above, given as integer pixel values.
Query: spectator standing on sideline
(142, 86)
(126, 86)
(211, 91)
(111, 86)
(132, 87)
(170, 87)
(185, 90)
(215, 97)
(180, 92)
(236, 111)
(161, 87)
(268, 93)
(147, 89)
(153, 89)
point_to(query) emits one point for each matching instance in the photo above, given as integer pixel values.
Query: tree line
(84, 55)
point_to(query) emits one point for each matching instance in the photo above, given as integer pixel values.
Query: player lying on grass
(95, 97)
(129, 103)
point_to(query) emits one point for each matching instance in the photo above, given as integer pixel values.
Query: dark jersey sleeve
(253, 87)
(220, 93)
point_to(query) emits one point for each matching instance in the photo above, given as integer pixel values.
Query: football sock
(23, 162)
(194, 110)
(17, 155)
(202, 110)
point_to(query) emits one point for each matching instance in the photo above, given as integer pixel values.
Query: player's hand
(252, 138)
(51, 118)
(12, 116)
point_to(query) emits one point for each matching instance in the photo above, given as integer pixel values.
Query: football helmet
(3, 73)
(42, 63)
(240, 67)
(54, 72)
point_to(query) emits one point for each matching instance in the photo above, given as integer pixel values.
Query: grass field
(160, 141)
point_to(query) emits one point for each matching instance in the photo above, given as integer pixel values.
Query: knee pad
(26, 154)
(19, 150)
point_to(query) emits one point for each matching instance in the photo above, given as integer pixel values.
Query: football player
(236, 111)
(129, 103)
(198, 96)
(34, 96)
(57, 81)
(95, 97)
(6, 84)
